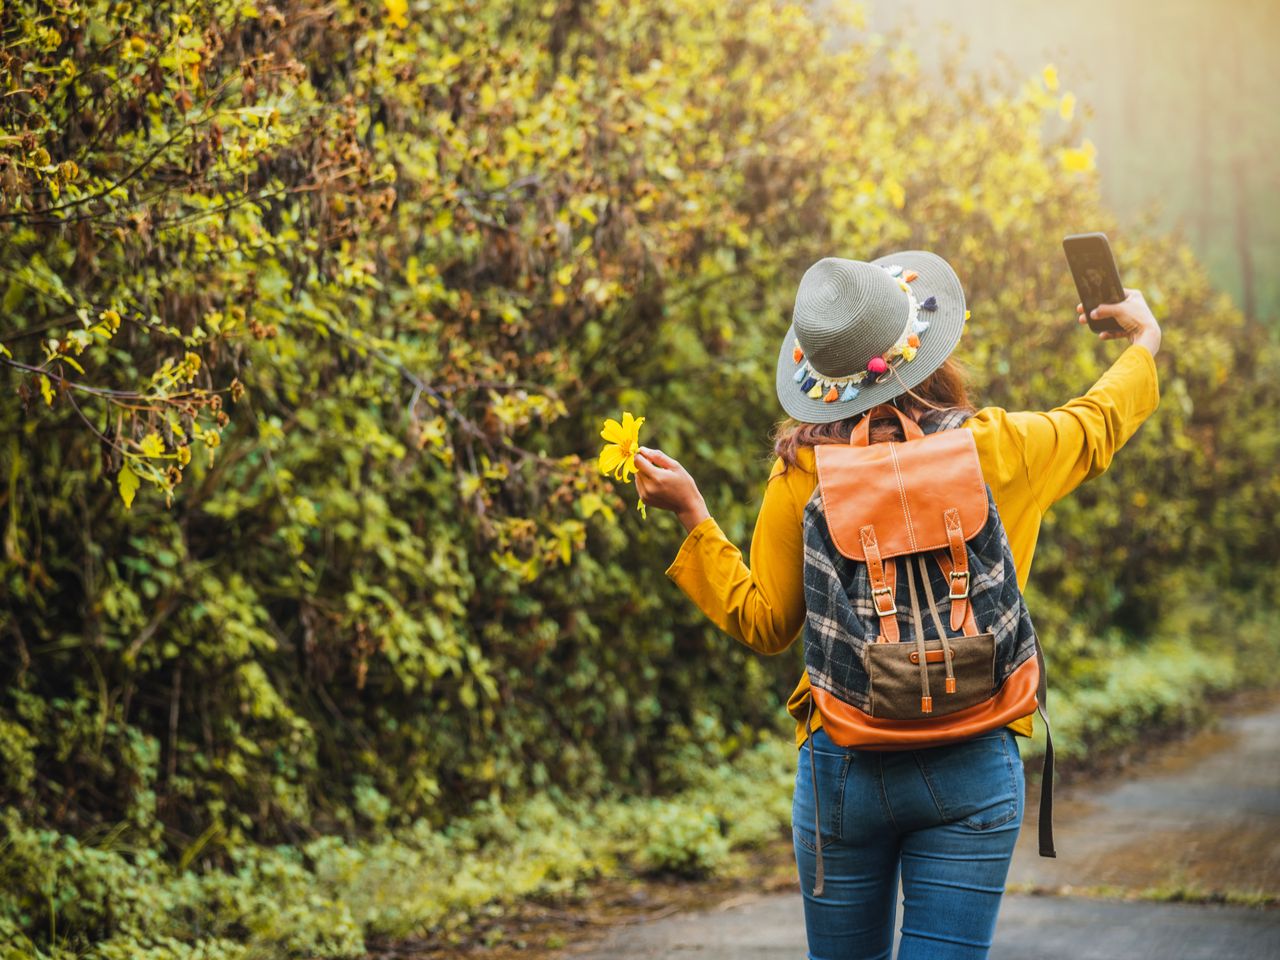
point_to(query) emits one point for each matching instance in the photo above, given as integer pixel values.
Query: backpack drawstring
(926, 701)
(937, 622)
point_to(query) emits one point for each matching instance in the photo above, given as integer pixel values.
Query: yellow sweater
(1030, 460)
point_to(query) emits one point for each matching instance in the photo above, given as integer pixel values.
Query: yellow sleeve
(763, 606)
(1076, 441)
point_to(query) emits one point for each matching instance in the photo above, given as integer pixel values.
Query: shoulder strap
(1046, 769)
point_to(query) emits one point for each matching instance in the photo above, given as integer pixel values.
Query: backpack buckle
(964, 591)
(875, 599)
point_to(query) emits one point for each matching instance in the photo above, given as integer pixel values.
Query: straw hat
(863, 333)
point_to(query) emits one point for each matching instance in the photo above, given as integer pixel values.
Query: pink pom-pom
(877, 365)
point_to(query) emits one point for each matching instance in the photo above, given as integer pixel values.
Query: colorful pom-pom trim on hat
(845, 389)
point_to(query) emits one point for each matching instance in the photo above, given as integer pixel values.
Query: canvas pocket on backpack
(894, 672)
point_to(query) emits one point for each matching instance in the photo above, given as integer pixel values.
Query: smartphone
(1094, 270)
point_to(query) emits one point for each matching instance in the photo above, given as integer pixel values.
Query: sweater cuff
(1138, 355)
(1142, 355)
(692, 541)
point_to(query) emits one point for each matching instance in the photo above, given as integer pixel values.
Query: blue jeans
(946, 816)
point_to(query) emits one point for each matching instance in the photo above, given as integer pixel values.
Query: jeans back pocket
(977, 782)
(832, 772)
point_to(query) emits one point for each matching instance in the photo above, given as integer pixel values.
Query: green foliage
(1169, 682)
(311, 311)
(328, 897)
(684, 841)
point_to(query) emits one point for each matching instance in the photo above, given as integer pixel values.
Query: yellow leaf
(152, 445)
(1051, 77)
(127, 483)
(1067, 107)
(46, 390)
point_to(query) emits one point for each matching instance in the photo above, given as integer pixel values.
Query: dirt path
(1199, 820)
(1204, 818)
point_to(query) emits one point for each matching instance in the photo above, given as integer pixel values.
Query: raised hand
(1133, 314)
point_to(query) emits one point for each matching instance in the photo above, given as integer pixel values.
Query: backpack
(892, 529)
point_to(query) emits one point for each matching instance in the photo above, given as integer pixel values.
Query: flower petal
(612, 431)
(610, 458)
(631, 424)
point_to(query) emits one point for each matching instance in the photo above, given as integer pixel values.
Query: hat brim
(936, 279)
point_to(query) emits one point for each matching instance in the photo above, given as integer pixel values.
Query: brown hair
(944, 389)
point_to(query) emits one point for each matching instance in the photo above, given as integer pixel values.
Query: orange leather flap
(903, 490)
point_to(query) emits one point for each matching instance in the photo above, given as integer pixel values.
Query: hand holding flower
(663, 483)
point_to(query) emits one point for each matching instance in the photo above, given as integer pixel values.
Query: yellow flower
(1051, 77)
(622, 440)
(1067, 108)
(1080, 160)
(397, 13)
(152, 445)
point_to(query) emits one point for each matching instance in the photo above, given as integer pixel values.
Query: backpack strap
(818, 878)
(959, 572)
(881, 574)
(1046, 770)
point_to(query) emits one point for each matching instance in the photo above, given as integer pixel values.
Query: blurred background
(1181, 99)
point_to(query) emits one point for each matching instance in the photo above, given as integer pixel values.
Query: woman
(945, 818)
